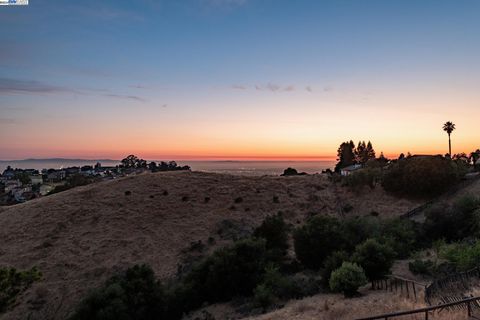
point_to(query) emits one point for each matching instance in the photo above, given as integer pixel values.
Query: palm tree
(448, 127)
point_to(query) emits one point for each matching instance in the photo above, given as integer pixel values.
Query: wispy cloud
(16, 86)
(126, 97)
(272, 87)
(7, 121)
(239, 87)
(26, 87)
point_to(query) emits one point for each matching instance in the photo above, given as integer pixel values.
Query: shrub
(462, 255)
(362, 178)
(455, 222)
(274, 287)
(275, 231)
(375, 258)
(402, 235)
(317, 239)
(13, 283)
(347, 279)
(135, 294)
(421, 176)
(333, 262)
(228, 272)
(421, 266)
(358, 229)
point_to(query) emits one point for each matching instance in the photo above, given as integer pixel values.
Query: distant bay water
(248, 168)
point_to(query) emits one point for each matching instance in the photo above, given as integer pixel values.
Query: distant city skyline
(237, 79)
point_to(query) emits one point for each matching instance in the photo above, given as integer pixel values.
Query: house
(348, 170)
(36, 179)
(12, 185)
(56, 176)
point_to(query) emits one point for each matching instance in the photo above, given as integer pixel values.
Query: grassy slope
(80, 237)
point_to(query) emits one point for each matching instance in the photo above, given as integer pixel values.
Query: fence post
(426, 315)
(469, 309)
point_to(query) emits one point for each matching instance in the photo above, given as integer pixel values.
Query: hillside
(80, 237)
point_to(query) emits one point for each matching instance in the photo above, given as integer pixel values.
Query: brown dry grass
(336, 307)
(80, 237)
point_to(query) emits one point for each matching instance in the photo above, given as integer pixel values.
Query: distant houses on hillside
(20, 185)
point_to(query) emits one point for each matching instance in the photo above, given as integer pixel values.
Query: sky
(237, 79)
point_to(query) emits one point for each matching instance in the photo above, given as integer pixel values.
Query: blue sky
(211, 68)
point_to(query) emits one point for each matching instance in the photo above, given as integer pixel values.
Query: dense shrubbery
(375, 258)
(13, 282)
(362, 178)
(317, 239)
(463, 256)
(347, 279)
(421, 176)
(424, 267)
(132, 295)
(333, 262)
(454, 222)
(275, 287)
(275, 231)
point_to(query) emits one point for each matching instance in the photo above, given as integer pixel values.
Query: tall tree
(345, 155)
(361, 152)
(370, 151)
(448, 127)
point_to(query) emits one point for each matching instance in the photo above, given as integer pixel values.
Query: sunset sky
(237, 79)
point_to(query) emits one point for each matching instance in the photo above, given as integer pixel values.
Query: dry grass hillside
(80, 237)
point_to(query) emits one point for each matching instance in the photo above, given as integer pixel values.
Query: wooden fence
(407, 287)
(465, 304)
(452, 283)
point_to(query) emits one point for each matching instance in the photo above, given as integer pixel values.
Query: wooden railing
(467, 304)
(398, 284)
(460, 281)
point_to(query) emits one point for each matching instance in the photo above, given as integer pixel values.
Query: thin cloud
(16, 86)
(26, 87)
(126, 97)
(239, 87)
(137, 86)
(309, 89)
(7, 121)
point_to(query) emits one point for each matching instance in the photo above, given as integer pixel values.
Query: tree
(347, 279)
(130, 161)
(474, 156)
(345, 155)
(448, 127)
(370, 151)
(375, 258)
(317, 239)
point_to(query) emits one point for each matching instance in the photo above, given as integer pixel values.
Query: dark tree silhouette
(474, 156)
(345, 155)
(448, 127)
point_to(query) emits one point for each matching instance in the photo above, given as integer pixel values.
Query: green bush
(317, 239)
(463, 256)
(421, 267)
(362, 178)
(402, 235)
(375, 258)
(347, 279)
(455, 222)
(13, 282)
(228, 272)
(333, 262)
(275, 231)
(274, 287)
(134, 295)
(421, 176)
(358, 229)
